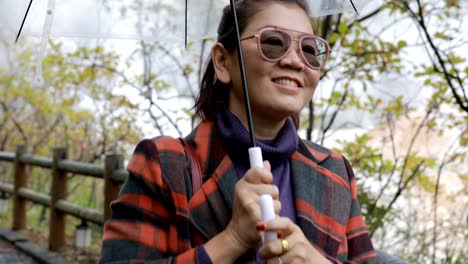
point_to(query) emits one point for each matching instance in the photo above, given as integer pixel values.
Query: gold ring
(284, 246)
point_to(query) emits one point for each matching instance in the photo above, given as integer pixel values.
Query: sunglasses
(275, 43)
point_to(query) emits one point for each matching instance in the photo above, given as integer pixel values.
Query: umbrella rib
(186, 22)
(24, 20)
(354, 7)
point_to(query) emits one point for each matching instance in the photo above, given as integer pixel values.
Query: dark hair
(213, 95)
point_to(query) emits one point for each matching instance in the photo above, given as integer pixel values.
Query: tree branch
(441, 68)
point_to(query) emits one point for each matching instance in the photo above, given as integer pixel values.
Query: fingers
(260, 189)
(293, 249)
(259, 175)
(287, 232)
(277, 205)
(273, 248)
(259, 181)
(281, 225)
(292, 246)
(245, 188)
(246, 207)
(249, 197)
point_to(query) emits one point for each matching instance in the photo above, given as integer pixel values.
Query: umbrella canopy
(166, 21)
(151, 20)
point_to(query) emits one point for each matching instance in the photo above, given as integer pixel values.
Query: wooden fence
(112, 173)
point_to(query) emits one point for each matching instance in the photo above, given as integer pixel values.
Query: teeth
(286, 82)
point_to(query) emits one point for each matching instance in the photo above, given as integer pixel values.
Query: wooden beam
(20, 181)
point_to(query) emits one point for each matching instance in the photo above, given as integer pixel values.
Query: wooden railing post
(111, 188)
(58, 191)
(19, 204)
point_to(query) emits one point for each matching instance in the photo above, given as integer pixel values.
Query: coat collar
(211, 206)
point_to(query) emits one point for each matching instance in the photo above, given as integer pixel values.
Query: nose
(293, 57)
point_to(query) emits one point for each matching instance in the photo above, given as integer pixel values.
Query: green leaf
(443, 36)
(402, 44)
(333, 38)
(342, 27)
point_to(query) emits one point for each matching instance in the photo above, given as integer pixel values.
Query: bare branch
(16, 123)
(180, 66)
(335, 113)
(445, 161)
(47, 133)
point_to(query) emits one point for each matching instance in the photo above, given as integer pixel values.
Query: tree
(79, 107)
(394, 172)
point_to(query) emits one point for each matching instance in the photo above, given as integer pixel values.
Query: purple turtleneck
(277, 151)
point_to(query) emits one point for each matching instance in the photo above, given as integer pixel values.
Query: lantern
(82, 235)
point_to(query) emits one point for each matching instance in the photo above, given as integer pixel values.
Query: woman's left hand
(296, 249)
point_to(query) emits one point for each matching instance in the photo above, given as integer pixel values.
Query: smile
(288, 82)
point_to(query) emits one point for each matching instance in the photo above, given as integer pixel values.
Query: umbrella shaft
(242, 72)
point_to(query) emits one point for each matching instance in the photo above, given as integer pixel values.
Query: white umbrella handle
(266, 201)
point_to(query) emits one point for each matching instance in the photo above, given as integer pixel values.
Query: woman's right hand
(246, 212)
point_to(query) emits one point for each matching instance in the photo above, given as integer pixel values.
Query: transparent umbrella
(167, 21)
(112, 19)
(164, 21)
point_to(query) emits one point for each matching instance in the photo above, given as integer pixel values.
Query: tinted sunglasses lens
(314, 51)
(274, 44)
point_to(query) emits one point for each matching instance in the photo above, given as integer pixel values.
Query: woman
(158, 219)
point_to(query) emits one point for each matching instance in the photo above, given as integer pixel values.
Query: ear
(221, 62)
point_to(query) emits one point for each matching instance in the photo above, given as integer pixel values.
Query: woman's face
(279, 89)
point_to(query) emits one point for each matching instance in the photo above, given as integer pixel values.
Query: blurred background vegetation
(393, 100)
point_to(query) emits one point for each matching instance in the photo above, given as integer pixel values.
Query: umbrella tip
(17, 38)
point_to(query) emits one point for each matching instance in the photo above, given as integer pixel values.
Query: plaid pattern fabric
(156, 216)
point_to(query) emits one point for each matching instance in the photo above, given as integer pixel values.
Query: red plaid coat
(156, 215)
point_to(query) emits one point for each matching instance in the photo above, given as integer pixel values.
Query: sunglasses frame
(299, 41)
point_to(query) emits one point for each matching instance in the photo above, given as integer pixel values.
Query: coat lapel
(211, 207)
